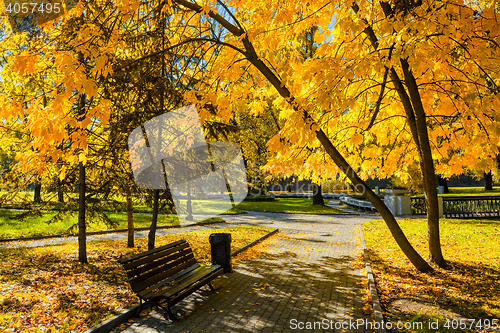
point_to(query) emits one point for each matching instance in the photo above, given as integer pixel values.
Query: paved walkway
(303, 278)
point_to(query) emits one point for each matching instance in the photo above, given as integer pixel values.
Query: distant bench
(168, 273)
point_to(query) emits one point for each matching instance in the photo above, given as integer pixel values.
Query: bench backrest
(148, 268)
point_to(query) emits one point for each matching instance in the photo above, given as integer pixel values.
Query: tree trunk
(444, 183)
(152, 229)
(38, 192)
(82, 227)
(426, 166)
(488, 181)
(60, 192)
(317, 195)
(130, 218)
(417, 121)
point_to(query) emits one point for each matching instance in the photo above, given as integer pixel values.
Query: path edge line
(249, 245)
(377, 309)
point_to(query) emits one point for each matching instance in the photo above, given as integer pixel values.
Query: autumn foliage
(382, 88)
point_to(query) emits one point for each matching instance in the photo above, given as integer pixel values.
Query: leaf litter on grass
(46, 289)
(469, 289)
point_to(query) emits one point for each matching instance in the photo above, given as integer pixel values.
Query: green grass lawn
(46, 289)
(289, 205)
(469, 288)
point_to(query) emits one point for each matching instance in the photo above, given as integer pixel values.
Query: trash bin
(221, 250)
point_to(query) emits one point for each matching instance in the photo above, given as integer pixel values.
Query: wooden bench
(168, 274)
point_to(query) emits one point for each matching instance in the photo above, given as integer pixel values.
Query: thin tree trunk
(38, 192)
(317, 195)
(488, 181)
(417, 122)
(82, 227)
(60, 191)
(130, 217)
(418, 126)
(152, 229)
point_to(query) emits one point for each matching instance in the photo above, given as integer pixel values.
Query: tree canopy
(388, 83)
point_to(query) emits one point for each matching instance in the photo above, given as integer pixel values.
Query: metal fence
(418, 206)
(462, 207)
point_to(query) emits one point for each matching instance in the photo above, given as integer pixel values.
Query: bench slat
(155, 289)
(142, 282)
(158, 264)
(188, 291)
(146, 253)
(183, 282)
(159, 254)
(206, 271)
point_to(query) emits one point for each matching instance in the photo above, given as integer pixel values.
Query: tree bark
(82, 227)
(152, 229)
(130, 217)
(488, 181)
(317, 195)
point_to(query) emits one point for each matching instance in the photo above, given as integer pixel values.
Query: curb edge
(377, 309)
(249, 245)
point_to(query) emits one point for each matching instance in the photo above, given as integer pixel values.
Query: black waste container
(221, 250)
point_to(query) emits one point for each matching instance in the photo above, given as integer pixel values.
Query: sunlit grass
(289, 205)
(469, 288)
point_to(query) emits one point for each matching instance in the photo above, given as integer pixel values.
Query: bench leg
(169, 313)
(210, 286)
(141, 305)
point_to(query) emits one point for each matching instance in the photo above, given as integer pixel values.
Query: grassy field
(46, 289)
(290, 205)
(468, 290)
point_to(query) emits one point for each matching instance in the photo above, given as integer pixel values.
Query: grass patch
(290, 205)
(46, 289)
(469, 289)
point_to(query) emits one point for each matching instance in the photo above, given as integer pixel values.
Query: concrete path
(303, 281)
